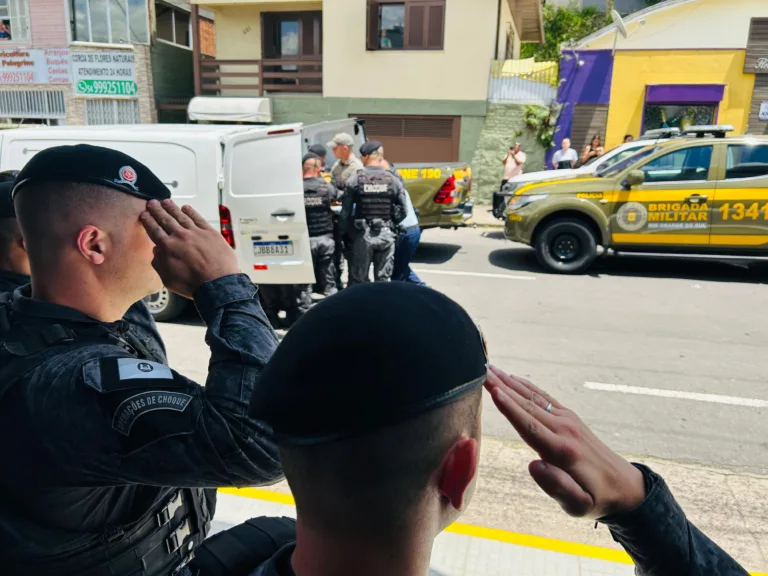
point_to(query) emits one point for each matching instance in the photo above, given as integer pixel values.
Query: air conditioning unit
(230, 110)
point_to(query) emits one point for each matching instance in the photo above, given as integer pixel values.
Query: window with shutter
(405, 25)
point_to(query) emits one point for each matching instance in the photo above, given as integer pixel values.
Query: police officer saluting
(14, 264)
(318, 195)
(106, 450)
(374, 203)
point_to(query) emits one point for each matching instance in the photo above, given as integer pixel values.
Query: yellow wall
(238, 36)
(238, 27)
(692, 25)
(459, 72)
(633, 71)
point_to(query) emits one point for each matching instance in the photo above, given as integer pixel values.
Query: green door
(672, 206)
(740, 210)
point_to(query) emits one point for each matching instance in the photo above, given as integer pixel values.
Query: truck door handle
(283, 214)
(696, 198)
(603, 201)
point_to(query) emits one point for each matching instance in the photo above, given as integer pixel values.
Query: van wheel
(566, 246)
(165, 305)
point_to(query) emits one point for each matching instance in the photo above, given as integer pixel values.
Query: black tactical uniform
(378, 200)
(9, 281)
(109, 454)
(307, 407)
(318, 195)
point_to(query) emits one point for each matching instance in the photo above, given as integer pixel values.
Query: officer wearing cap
(345, 166)
(346, 162)
(409, 231)
(105, 449)
(374, 204)
(14, 264)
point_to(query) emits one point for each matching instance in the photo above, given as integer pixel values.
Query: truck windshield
(622, 164)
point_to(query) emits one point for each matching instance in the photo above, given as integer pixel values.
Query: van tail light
(447, 192)
(225, 221)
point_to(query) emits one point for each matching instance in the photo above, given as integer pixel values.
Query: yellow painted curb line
(550, 544)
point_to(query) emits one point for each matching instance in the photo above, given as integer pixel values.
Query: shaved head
(375, 483)
(79, 233)
(52, 213)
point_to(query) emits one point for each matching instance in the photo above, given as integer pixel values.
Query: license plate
(284, 248)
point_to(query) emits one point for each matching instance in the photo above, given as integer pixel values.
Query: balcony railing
(262, 76)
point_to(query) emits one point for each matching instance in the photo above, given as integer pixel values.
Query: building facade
(670, 71)
(75, 62)
(416, 70)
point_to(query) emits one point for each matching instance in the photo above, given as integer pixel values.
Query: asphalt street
(665, 358)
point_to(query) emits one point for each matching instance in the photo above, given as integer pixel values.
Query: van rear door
(263, 205)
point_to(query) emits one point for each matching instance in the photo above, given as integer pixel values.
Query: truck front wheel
(165, 305)
(566, 246)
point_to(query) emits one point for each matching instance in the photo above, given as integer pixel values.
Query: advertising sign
(22, 66)
(111, 74)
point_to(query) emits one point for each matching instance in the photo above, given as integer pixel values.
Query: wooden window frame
(372, 25)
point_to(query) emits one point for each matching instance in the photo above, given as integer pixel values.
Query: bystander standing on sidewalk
(513, 163)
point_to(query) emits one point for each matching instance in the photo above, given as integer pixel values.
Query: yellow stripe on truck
(691, 239)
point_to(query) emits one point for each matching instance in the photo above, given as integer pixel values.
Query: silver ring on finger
(549, 408)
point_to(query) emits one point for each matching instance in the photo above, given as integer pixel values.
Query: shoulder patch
(111, 374)
(131, 409)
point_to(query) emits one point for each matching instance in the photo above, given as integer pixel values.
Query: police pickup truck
(700, 193)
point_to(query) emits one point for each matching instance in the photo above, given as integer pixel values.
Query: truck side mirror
(634, 178)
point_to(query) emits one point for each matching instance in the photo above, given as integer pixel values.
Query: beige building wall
(689, 25)
(458, 72)
(506, 23)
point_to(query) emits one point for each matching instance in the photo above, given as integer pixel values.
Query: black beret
(96, 165)
(8, 175)
(405, 350)
(319, 150)
(309, 156)
(6, 201)
(369, 147)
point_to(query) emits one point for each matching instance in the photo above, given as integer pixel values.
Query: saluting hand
(576, 469)
(188, 250)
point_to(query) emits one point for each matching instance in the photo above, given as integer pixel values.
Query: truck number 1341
(740, 211)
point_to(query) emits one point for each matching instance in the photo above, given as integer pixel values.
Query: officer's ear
(92, 244)
(456, 477)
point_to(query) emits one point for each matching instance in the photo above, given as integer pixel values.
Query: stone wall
(502, 123)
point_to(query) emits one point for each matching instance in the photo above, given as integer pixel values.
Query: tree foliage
(563, 25)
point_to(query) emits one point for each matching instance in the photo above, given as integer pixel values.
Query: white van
(245, 180)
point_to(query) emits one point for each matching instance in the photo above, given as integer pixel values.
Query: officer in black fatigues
(374, 203)
(318, 196)
(108, 453)
(312, 409)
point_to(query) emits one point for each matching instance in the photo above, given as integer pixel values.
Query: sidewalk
(481, 216)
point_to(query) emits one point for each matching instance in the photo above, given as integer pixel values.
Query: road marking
(477, 274)
(713, 398)
(526, 540)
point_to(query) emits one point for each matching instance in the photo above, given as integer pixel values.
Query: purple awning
(684, 93)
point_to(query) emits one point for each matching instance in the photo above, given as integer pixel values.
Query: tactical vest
(159, 543)
(317, 203)
(375, 191)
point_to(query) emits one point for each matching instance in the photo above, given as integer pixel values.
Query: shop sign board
(110, 74)
(23, 66)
